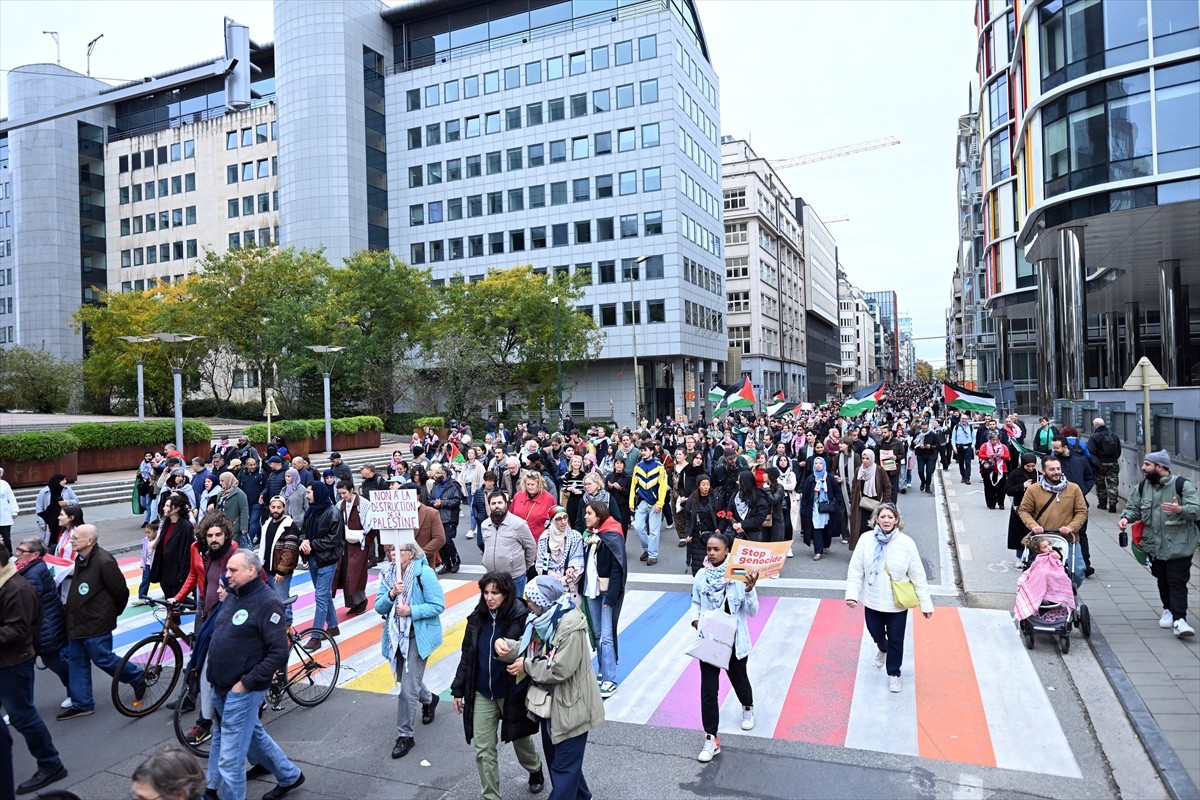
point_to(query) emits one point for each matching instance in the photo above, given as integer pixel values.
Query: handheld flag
(717, 393)
(781, 409)
(964, 399)
(779, 396)
(863, 400)
(739, 395)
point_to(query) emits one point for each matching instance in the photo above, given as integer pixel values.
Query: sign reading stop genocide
(395, 509)
(765, 558)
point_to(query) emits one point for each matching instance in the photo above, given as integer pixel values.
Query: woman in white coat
(8, 511)
(894, 557)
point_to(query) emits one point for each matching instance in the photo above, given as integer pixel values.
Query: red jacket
(534, 510)
(199, 575)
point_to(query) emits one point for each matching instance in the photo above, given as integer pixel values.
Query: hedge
(37, 446)
(109, 436)
(294, 429)
(436, 423)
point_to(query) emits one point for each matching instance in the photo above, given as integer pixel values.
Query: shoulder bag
(868, 504)
(539, 700)
(904, 594)
(714, 640)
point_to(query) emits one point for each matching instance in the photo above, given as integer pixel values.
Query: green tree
(257, 307)
(33, 380)
(513, 314)
(379, 309)
(110, 366)
(924, 371)
(939, 374)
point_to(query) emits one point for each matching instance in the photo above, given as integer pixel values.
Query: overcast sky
(796, 77)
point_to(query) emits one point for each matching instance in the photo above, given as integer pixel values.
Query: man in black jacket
(274, 482)
(1078, 470)
(20, 624)
(253, 482)
(98, 596)
(446, 497)
(249, 644)
(1106, 447)
(372, 481)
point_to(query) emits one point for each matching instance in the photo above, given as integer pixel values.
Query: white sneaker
(1182, 629)
(747, 718)
(470, 534)
(880, 658)
(791, 554)
(894, 684)
(712, 747)
(66, 703)
(1166, 620)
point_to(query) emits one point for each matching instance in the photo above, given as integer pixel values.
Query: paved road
(982, 716)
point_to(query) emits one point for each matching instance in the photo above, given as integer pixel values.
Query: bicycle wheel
(161, 661)
(188, 731)
(312, 676)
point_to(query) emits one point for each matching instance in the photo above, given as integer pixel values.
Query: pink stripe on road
(681, 707)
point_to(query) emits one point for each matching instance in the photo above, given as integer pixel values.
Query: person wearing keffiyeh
(412, 631)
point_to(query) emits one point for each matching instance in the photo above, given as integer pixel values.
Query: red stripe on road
(817, 706)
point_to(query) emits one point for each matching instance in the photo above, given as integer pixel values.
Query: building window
(454, 169)
(453, 130)
(650, 135)
(624, 53)
(653, 223)
(537, 237)
(554, 68)
(579, 148)
(189, 182)
(581, 189)
(631, 313)
(231, 175)
(491, 122)
(608, 272)
(514, 158)
(625, 140)
(416, 177)
(433, 134)
(656, 310)
(491, 82)
(558, 235)
(583, 232)
(474, 166)
(516, 199)
(475, 206)
(654, 268)
(533, 114)
(416, 214)
(416, 253)
(628, 182)
(599, 58)
(629, 226)
(735, 233)
(604, 186)
(558, 193)
(432, 96)
(537, 155)
(738, 301)
(577, 63)
(608, 315)
(558, 151)
(516, 241)
(652, 179)
(603, 143)
(601, 101)
(235, 241)
(471, 86)
(191, 248)
(231, 140)
(512, 119)
(739, 336)
(604, 229)
(579, 105)
(537, 196)
(625, 96)
(533, 73)
(454, 209)
(495, 202)
(649, 91)
(456, 248)
(557, 109)
(495, 243)
(450, 91)
(495, 164)
(475, 246)
(191, 215)
(512, 77)
(734, 199)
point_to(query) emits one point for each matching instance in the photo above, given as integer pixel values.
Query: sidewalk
(1156, 675)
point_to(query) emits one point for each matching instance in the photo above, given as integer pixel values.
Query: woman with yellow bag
(890, 579)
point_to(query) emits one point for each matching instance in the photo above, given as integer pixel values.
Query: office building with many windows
(1091, 183)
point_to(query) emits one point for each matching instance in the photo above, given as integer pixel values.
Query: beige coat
(577, 707)
(1069, 509)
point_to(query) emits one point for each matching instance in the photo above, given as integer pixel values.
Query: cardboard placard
(393, 537)
(395, 509)
(767, 558)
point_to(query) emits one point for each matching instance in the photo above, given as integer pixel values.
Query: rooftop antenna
(91, 47)
(57, 47)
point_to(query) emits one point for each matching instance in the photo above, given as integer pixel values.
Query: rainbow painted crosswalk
(971, 693)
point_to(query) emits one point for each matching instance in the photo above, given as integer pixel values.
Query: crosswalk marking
(971, 693)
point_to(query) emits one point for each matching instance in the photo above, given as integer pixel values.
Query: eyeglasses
(22, 552)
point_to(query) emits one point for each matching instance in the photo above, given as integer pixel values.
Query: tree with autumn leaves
(456, 347)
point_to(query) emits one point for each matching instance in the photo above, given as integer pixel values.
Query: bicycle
(161, 660)
(309, 679)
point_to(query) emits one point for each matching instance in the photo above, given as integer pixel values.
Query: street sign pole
(1145, 377)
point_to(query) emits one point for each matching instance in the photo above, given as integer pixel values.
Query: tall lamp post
(177, 361)
(558, 355)
(328, 355)
(136, 340)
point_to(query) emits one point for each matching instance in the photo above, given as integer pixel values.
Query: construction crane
(835, 220)
(837, 152)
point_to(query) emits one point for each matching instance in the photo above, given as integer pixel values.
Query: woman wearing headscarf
(993, 465)
(208, 497)
(894, 557)
(1017, 482)
(789, 482)
(872, 483)
(177, 481)
(822, 510)
(232, 502)
(50, 501)
(747, 509)
(295, 499)
(604, 575)
(396, 465)
(776, 496)
(486, 695)
(323, 544)
(560, 553)
(412, 608)
(700, 519)
(555, 654)
(712, 591)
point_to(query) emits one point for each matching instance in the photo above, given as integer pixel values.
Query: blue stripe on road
(636, 641)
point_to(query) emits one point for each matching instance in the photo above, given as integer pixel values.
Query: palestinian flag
(739, 395)
(779, 396)
(456, 456)
(965, 400)
(781, 409)
(862, 400)
(717, 393)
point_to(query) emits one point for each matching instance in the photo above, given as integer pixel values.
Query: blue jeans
(238, 736)
(144, 586)
(16, 696)
(255, 528)
(519, 582)
(56, 662)
(887, 630)
(477, 527)
(322, 578)
(1075, 558)
(648, 523)
(283, 590)
(565, 760)
(81, 654)
(601, 615)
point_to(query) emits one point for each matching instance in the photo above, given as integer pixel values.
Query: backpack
(1077, 450)
(1180, 482)
(1108, 444)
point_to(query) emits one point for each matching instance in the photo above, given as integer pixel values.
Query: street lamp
(141, 383)
(176, 361)
(329, 354)
(558, 355)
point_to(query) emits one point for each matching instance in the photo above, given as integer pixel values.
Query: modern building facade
(857, 332)
(886, 306)
(579, 137)
(820, 305)
(764, 273)
(8, 323)
(1091, 183)
(966, 343)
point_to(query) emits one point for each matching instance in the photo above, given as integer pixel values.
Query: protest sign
(394, 509)
(764, 557)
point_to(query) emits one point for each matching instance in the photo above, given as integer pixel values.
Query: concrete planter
(297, 447)
(37, 473)
(128, 457)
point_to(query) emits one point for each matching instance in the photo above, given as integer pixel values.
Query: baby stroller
(1055, 618)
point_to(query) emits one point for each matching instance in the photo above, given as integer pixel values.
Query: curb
(1170, 769)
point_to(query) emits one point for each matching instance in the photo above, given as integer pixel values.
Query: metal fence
(1180, 436)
